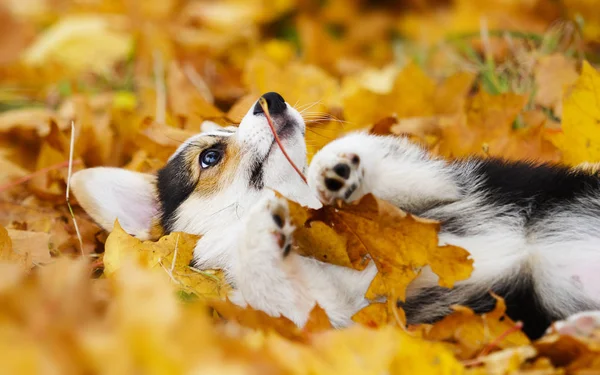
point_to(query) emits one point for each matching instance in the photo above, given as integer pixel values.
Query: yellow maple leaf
(399, 244)
(579, 139)
(172, 253)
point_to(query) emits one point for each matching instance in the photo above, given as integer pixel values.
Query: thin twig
(71, 147)
(161, 91)
(175, 253)
(265, 107)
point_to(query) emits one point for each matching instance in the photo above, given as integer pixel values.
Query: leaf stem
(265, 107)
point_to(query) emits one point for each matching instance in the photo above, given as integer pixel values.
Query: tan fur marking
(211, 180)
(156, 230)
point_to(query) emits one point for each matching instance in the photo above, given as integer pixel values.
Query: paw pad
(342, 170)
(282, 228)
(339, 178)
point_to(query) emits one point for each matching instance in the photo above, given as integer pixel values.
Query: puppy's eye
(210, 157)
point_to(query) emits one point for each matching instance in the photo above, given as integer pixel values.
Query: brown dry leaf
(507, 361)
(32, 122)
(255, 319)
(80, 43)
(32, 245)
(186, 100)
(451, 94)
(7, 254)
(161, 140)
(318, 240)
(487, 129)
(553, 75)
(14, 35)
(318, 134)
(10, 171)
(399, 244)
(410, 95)
(564, 350)
(50, 185)
(239, 109)
(120, 246)
(468, 333)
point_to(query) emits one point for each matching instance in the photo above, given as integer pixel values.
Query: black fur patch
(519, 295)
(256, 176)
(531, 190)
(536, 188)
(174, 187)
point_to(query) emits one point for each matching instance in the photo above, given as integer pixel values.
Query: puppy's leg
(267, 273)
(391, 168)
(580, 324)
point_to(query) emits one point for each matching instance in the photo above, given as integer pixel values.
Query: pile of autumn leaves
(128, 306)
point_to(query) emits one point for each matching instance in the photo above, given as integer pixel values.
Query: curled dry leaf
(468, 333)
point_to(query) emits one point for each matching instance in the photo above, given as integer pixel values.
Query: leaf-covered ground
(124, 82)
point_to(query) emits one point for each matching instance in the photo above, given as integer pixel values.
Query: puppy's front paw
(283, 228)
(269, 226)
(337, 177)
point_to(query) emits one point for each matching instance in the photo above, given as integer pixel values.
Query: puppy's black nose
(275, 102)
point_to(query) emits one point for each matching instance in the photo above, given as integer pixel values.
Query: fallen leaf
(172, 253)
(469, 333)
(399, 244)
(553, 75)
(303, 86)
(579, 139)
(32, 245)
(81, 42)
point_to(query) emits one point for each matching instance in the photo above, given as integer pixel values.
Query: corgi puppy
(532, 230)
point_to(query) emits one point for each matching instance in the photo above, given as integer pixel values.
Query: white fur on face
(211, 216)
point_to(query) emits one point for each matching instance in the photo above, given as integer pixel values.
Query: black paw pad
(278, 220)
(333, 184)
(342, 170)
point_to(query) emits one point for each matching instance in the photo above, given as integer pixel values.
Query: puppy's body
(531, 229)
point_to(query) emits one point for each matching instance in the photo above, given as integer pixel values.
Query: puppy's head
(208, 183)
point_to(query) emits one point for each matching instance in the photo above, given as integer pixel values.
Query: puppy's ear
(107, 194)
